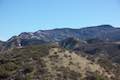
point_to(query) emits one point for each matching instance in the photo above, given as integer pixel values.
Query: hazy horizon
(31, 15)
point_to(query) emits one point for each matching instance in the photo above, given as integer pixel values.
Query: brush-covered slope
(104, 53)
(94, 47)
(49, 62)
(2, 44)
(72, 43)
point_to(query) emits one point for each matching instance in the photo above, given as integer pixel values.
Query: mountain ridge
(102, 32)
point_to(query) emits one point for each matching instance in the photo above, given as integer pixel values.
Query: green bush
(4, 73)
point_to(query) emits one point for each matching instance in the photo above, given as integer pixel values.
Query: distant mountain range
(101, 32)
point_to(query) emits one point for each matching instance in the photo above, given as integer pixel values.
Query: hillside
(48, 62)
(94, 47)
(90, 53)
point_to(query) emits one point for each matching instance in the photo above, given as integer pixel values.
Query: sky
(18, 16)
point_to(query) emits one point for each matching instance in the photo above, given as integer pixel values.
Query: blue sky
(18, 16)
